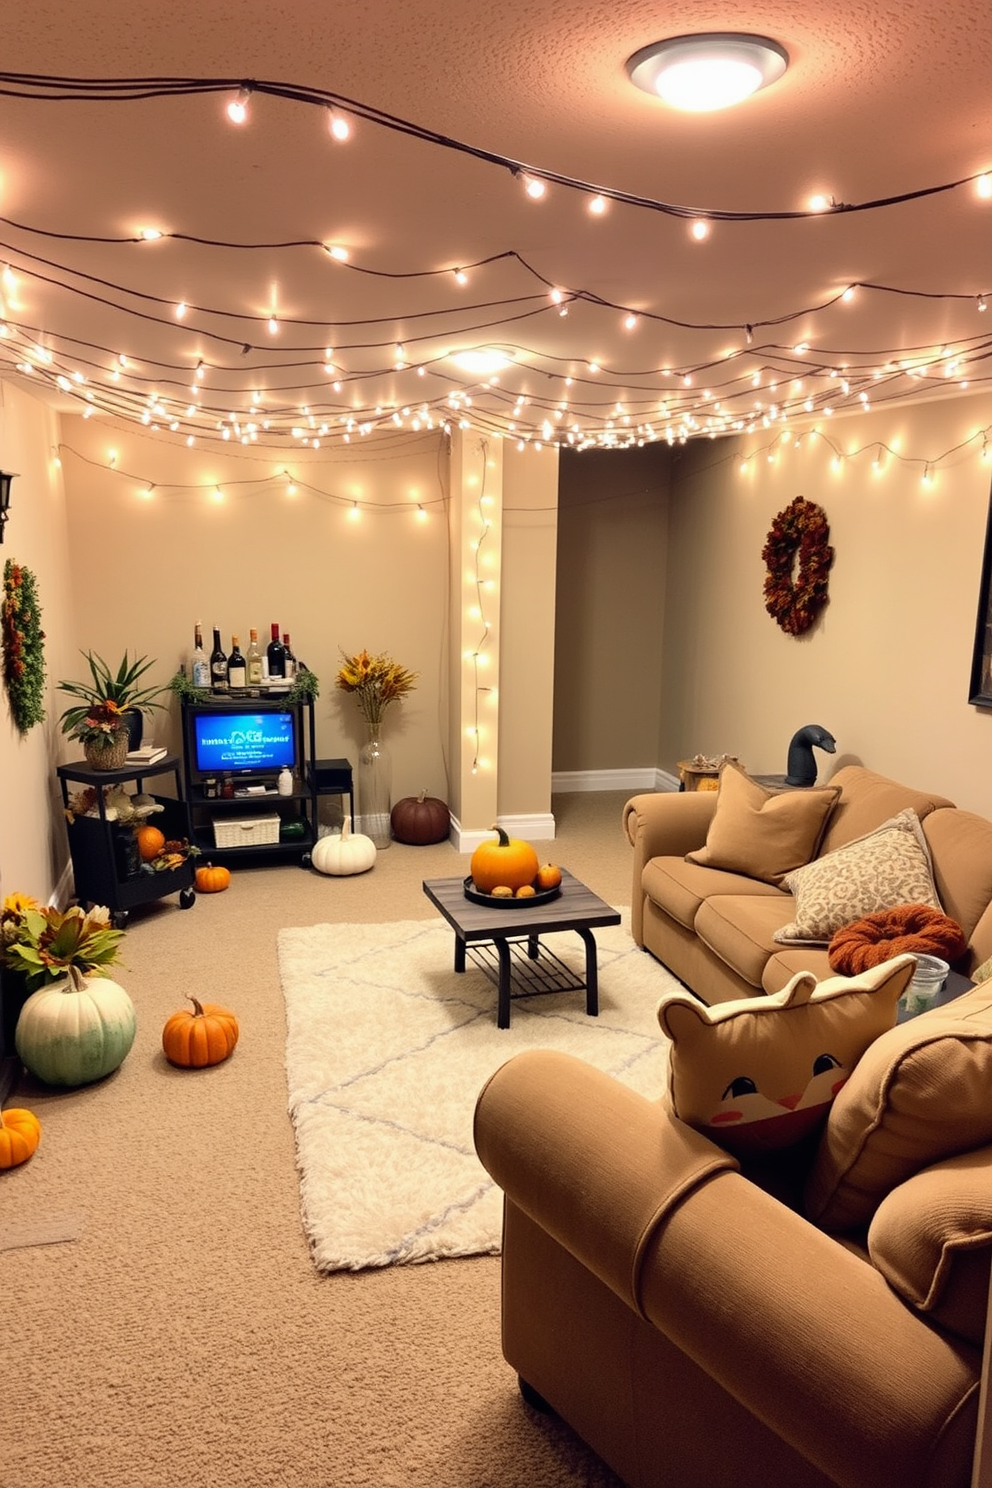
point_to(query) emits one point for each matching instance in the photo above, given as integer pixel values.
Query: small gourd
(150, 842)
(75, 1031)
(207, 1035)
(211, 880)
(506, 863)
(420, 820)
(20, 1133)
(343, 854)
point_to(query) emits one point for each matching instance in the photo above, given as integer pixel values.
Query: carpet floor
(185, 1338)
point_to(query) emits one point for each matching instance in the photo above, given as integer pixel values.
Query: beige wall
(610, 616)
(887, 667)
(146, 569)
(661, 642)
(32, 829)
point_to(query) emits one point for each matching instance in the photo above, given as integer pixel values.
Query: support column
(475, 517)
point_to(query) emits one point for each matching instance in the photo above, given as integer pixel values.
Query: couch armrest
(589, 1160)
(809, 1337)
(800, 1330)
(664, 824)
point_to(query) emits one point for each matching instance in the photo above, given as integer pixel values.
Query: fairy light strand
(139, 90)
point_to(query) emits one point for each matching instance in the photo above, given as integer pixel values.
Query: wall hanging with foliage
(797, 558)
(23, 646)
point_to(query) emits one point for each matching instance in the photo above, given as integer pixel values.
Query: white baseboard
(647, 779)
(540, 827)
(537, 828)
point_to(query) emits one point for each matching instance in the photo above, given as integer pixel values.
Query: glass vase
(374, 782)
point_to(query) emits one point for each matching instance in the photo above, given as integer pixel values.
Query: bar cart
(105, 866)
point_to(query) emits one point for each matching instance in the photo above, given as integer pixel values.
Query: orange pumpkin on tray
(505, 863)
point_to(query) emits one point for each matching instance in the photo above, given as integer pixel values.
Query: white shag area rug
(387, 1049)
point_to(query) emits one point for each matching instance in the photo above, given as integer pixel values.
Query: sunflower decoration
(797, 557)
(23, 646)
(375, 681)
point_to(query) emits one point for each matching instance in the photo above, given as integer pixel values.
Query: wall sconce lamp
(5, 481)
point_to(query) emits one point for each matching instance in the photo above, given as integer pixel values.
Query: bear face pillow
(758, 1075)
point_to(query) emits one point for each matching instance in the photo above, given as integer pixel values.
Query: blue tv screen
(243, 741)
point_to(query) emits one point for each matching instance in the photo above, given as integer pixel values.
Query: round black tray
(492, 901)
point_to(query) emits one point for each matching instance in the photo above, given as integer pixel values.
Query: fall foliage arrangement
(795, 594)
(375, 681)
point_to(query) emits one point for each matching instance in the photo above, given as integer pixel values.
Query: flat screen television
(243, 743)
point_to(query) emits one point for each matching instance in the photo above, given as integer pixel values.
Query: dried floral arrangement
(23, 646)
(375, 681)
(794, 596)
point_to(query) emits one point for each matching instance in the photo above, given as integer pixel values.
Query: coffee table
(493, 937)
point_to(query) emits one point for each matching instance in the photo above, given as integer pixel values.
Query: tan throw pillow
(931, 1238)
(763, 834)
(919, 1094)
(889, 866)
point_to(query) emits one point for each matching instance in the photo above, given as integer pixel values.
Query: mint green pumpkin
(75, 1031)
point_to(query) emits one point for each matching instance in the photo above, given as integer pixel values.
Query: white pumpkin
(344, 853)
(75, 1031)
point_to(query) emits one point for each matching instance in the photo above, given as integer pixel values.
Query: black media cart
(257, 822)
(105, 865)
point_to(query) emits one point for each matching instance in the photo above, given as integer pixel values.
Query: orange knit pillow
(909, 928)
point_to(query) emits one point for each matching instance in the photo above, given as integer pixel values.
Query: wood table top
(576, 906)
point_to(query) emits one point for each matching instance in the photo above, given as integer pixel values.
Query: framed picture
(980, 692)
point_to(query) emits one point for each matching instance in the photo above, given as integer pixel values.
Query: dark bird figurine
(801, 766)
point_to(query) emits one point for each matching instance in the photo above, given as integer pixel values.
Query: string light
(237, 109)
(337, 125)
(534, 186)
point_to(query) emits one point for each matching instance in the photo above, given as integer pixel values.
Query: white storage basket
(246, 831)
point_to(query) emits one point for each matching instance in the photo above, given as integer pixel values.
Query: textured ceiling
(879, 101)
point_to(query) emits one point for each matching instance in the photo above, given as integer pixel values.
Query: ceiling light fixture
(708, 71)
(482, 360)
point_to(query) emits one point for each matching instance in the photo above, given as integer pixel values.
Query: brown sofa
(715, 929)
(698, 1330)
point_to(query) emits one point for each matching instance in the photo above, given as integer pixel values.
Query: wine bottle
(200, 666)
(237, 668)
(276, 653)
(290, 671)
(218, 664)
(254, 660)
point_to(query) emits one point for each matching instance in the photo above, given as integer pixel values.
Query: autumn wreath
(23, 646)
(796, 593)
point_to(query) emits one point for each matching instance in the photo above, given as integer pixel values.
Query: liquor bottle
(237, 668)
(290, 671)
(218, 664)
(254, 660)
(276, 652)
(200, 666)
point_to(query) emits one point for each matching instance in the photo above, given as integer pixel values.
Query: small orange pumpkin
(507, 861)
(150, 841)
(211, 880)
(20, 1133)
(207, 1035)
(548, 876)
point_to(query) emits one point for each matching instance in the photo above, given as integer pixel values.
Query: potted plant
(73, 1023)
(101, 721)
